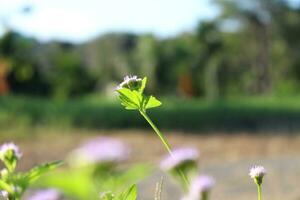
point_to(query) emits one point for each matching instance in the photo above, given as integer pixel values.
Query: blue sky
(80, 20)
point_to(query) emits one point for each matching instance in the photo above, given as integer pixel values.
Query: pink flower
(49, 194)
(101, 150)
(3, 195)
(199, 186)
(10, 147)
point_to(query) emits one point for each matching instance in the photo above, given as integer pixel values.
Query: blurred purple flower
(3, 195)
(199, 185)
(179, 157)
(101, 150)
(48, 194)
(10, 147)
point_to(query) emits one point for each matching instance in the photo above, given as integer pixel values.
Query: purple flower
(200, 186)
(179, 157)
(48, 194)
(257, 172)
(3, 195)
(10, 147)
(101, 150)
(128, 82)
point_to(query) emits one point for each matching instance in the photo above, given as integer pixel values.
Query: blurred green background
(239, 70)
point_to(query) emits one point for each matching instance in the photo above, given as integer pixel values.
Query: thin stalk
(204, 195)
(165, 143)
(259, 191)
(157, 131)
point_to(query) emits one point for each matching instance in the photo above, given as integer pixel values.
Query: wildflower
(257, 173)
(200, 188)
(101, 150)
(10, 147)
(130, 82)
(179, 158)
(48, 194)
(181, 164)
(202, 184)
(3, 195)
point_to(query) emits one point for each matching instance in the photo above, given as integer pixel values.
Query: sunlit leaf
(37, 171)
(143, 85)
(152, 103)
(130, 194)
(5, 186)
(130, 99)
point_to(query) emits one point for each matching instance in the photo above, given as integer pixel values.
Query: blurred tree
(176, 59)
(110, 57)
(67, 75)
(24, 75)
(145, 58)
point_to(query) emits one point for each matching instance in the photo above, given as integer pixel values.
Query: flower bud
(257, 173)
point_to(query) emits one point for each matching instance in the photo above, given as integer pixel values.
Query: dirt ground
(226, 157)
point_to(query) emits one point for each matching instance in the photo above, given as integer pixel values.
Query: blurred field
(255, 114)
(226, 157)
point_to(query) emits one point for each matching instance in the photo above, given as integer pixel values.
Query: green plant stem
(204, 195)
(165, 143)
(157, 131)
(259, 191)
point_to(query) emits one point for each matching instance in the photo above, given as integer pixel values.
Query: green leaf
(107, 196)
(131, 99)
(130, 194)
(152, 102)
(74, 182)
(39, 170)
(5, 186)
(143, 85)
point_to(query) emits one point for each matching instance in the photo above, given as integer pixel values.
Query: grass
(251, 114)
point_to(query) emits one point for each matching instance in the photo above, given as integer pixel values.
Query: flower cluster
(13, 183)
(10, 149)
(3, 195)
(130, 82)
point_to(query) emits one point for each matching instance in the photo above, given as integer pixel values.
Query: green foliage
(36, 172)
(129, 194)
(90, 181)
(93, 112)
(250, 49)
(135, 99)
(16, 183)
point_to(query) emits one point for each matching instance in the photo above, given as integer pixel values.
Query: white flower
(179, 157)
(128, 80)
(10, 147)
(257, 172)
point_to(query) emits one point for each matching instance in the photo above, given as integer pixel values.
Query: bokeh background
(227, 72)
